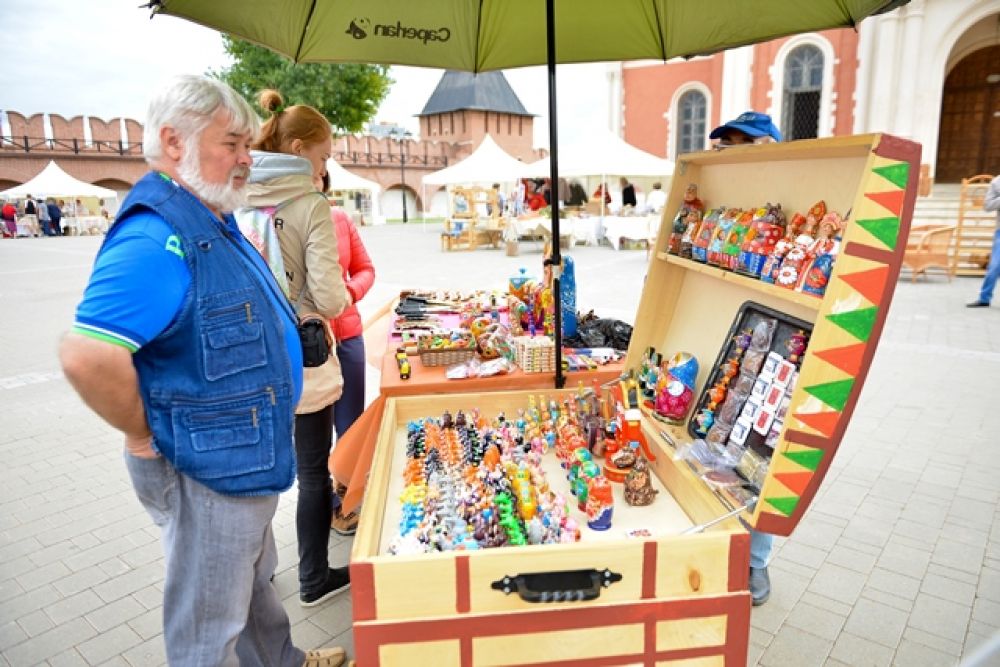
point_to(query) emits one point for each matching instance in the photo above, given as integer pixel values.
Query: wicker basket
(535, 354)
(446, 357)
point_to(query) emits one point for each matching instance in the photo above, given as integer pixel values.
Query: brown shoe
(344, 524)
(325, 657)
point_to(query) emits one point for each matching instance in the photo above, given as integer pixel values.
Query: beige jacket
(308, 240)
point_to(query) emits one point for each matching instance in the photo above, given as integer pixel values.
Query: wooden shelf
(799, 298)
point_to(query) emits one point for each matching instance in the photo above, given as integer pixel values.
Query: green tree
(348, 95)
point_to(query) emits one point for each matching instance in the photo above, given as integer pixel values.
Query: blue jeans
(761, 545)
(219, 606)
(992, 271)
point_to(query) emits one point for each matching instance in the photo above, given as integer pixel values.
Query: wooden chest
(671, 598)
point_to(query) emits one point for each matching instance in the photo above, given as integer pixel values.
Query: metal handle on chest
(561, 586)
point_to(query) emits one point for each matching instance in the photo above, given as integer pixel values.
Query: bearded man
(184, 342)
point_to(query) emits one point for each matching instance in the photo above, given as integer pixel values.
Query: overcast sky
(104, 58)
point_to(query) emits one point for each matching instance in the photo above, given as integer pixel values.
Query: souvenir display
(681, 220)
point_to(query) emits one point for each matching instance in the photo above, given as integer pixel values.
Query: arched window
(801, 96)
(691, 112)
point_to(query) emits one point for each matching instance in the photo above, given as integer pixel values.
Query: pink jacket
(357, 270)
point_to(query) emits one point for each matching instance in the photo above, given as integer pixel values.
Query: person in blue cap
(752, 127)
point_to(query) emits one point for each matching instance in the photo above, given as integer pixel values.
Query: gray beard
(221, 196)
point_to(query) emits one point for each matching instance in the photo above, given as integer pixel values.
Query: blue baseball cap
(752, 123)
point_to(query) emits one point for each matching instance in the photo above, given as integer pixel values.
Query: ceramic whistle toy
(674, 400)
(691, 203)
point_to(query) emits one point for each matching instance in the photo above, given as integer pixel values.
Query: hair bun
(270, 100)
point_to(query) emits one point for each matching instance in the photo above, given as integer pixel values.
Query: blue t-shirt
(138, 285)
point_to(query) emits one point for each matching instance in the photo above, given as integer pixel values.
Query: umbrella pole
(556, 260)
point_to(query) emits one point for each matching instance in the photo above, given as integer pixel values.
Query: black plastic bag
(601, 333)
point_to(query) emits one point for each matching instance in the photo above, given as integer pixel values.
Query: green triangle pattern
(807, 458)
(833, 394)
(885, 230)
(784, 505)
(858, 323)
(895, 173)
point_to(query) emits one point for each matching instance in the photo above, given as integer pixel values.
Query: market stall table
(632, 228)
(579, 229)
(351, 459)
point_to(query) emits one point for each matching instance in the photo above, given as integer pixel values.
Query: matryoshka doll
(675, 400)
(769, 271)
(824, 251)
(691, 203)
(600, 503)
(687, 239)
(765, 232)
(734, 242)
(699, 248)
(721, 233)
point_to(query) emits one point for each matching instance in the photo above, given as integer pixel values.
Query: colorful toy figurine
(639, 489)
(692, 223)
(769, 270)
(403, 363)
(706, 232)
(674, 401)
(796, 345)
(691, 203)
(765, 232)
(734, 240)
(720, 234)
(824, 252)
(798, 257)
(631, 391)
(600, 503)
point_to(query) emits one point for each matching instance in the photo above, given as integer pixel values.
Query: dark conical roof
(486, 91)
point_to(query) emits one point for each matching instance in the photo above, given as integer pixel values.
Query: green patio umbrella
(484, 35)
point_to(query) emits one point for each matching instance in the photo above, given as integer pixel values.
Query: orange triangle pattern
(824, 422)
(847, 359)
(870, 283)
(892, 200)
(795, 481)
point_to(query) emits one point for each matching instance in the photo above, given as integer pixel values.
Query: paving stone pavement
(896, 563)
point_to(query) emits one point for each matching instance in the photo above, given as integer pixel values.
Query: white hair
(187, 104)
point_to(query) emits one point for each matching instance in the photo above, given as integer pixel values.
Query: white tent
(488, 164)
(604, 154)
(55, 182)
(342, 179)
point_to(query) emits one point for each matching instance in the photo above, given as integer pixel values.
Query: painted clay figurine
(691, 203)
(674, 400)
(824, 252)
(600, 503)
(721, 233)
(765, 232)
(706, 231)
(639, 489)
(798, 257)
(693, 222)
(769, 271)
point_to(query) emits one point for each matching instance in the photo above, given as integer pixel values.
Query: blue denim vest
(217, 383)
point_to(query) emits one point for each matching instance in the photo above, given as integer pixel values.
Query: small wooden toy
(639, 489)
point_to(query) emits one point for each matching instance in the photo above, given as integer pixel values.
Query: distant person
(657, 199)
(991, 203)
(577, 195)
(185, 344)
(31, 216)
(501, 201)
(752, 127)
(601, 193)
(628, 193)
(55, 216)
(44, 221)
(9, 214)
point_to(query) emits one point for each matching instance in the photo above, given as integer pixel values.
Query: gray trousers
(219, 605)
